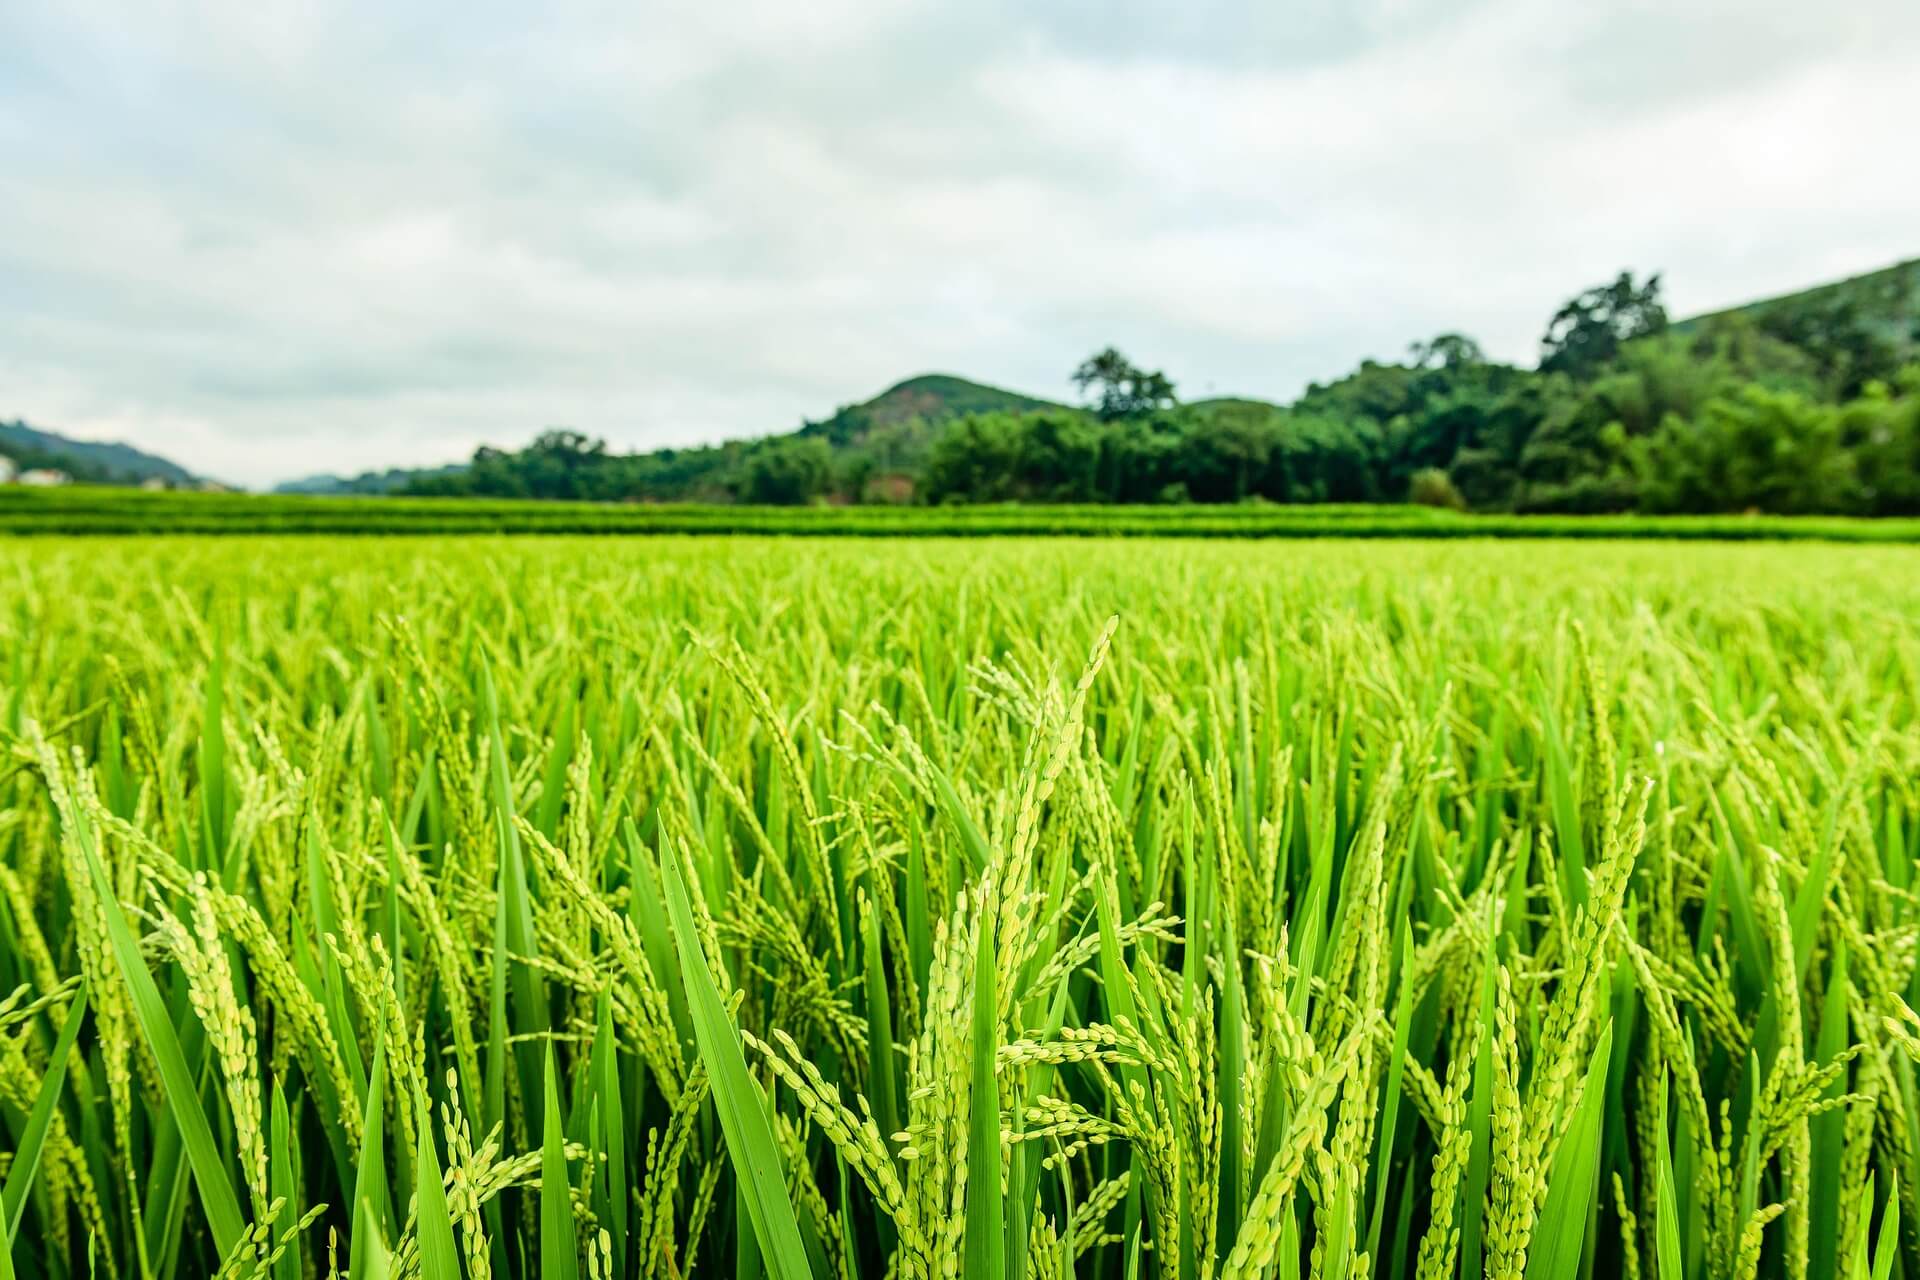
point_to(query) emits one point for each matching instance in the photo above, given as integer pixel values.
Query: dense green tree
(1881, 430)
(1845, 349)
(1120, 389)
(1320, 458)
(1059, 457)
(854, 473)
(1573, 459)
(1587, 332)
(1447, 350)
(1756, 449)
(974, 459)
(1141, 459)
(1226, 451)
(789, 472)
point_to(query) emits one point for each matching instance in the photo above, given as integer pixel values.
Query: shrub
(1432, 487)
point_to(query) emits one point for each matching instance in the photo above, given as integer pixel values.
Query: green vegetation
(1802, 405)
(1798, 405)
(1790, 414)
(87, 460)
(869, 450)
(88, 510)
(1015, 909)
(1884, 305)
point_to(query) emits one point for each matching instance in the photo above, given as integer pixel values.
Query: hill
(103, 462)
(893, 428)
(1879, 309)
(392, 480)
(917, 404)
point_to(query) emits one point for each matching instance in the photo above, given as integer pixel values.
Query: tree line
(1803, 407)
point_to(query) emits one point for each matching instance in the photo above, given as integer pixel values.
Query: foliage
(1021, 909)
(1778, 451)
(108, 512)
(1120, 388)
(1586, 334)
(1447, 350)
(789, 472)
(1568, 438)
(1624, 414)
(31, 458)
(1838, 339)
(861, 453)
(1434, 488)
(1865, 313)
(91, 461)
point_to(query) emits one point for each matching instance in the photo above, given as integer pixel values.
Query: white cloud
(274, 238)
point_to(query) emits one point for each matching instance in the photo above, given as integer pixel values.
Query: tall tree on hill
(1119, 388)
(1447, 351)
(1584, 335)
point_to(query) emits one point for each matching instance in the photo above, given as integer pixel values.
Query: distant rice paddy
(83, 510)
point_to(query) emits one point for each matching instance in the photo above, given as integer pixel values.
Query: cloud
(281, 237)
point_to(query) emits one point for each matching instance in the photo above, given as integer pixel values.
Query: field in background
(87, 510)
(754, 907)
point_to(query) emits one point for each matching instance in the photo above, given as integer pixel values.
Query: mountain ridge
(103, 461)
(1886, 301)
(899, 422)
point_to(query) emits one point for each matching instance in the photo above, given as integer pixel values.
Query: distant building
(153, 483)
(7, 470)
(45, 478)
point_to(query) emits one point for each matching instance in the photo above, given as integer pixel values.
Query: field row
(118, 511)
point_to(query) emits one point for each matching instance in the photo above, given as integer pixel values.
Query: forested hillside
(1808, 403)
(93, 461)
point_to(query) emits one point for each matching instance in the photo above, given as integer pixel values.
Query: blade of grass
(559, 1249)
(367, 1248)
(439, 1257)
(986, 1245)
(210, 1173)
(1560, 1235)
(26, 1156)
(743, 1118)
(1666, 1223)
(285, 1183)
(604, 1068)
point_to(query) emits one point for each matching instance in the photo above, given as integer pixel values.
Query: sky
(269, 238)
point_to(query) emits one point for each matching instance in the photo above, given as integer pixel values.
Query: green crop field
(754, 907)
(90, 510)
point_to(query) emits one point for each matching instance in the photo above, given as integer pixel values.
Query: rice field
(103, 511)
(1000, 908)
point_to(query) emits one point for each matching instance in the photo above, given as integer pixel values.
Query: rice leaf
(743, 1118)
(211, 1175)
(439, 1257)
(559, 1250)
(26, 1156)
(1572, 1189)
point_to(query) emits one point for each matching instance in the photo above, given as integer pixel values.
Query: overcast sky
(268, 238)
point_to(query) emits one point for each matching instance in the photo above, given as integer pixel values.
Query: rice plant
(1201, 910)
(95, 510)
